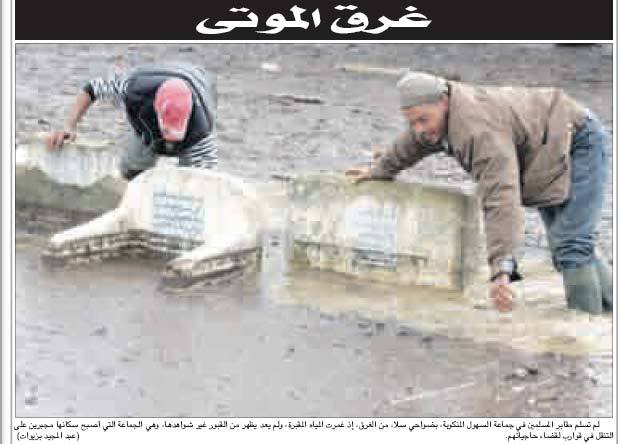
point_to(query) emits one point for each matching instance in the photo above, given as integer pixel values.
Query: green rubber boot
(605, 281)
(582, 289)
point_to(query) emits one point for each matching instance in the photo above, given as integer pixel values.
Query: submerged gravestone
(397, 232)
(211, 222)
(82, 176)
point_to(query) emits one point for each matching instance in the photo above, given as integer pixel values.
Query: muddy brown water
(106, 339)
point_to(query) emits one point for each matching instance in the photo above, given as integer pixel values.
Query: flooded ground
(106, 339)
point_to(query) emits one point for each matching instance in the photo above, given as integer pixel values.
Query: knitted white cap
(417, 88)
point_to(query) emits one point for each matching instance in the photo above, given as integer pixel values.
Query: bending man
(532, 147)
(171, 110)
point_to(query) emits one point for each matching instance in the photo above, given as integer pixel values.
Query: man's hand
(57, 139)
(501, 293)
(359, 174)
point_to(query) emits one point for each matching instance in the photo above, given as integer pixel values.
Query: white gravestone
(211, 221)
(396, 232)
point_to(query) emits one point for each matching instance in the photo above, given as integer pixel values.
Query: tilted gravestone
(210, 221)
(396, 232)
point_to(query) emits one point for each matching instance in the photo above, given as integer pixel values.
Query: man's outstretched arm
(112, 90)
(404, 153)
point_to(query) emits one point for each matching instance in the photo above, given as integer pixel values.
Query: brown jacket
(515, 143)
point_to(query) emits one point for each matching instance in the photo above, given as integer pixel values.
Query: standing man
(531, 147)
(171, 109)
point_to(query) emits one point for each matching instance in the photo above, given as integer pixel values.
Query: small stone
(590, 374)
(405, 331)
(103, 372)
(281, 177)
(270, 67)
(290, 351)
(364, 324)
(54, 331)
(518, 373)
(291, 98)
(222, 410)
(293, 394)
(31, 398)
(100, 331)
(550, 398)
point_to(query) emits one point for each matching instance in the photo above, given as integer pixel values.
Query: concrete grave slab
(396, 232)
(82, 176)
(211, 222)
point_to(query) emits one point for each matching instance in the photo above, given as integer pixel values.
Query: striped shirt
(202, 154)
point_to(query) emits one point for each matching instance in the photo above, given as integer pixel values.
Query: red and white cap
(173, 106)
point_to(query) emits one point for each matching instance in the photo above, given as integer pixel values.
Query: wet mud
(109, 339)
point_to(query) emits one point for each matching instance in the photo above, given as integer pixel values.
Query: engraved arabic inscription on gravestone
(178, 215)
(372, 228)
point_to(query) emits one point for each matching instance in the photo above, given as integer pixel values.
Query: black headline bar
(325, 20)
